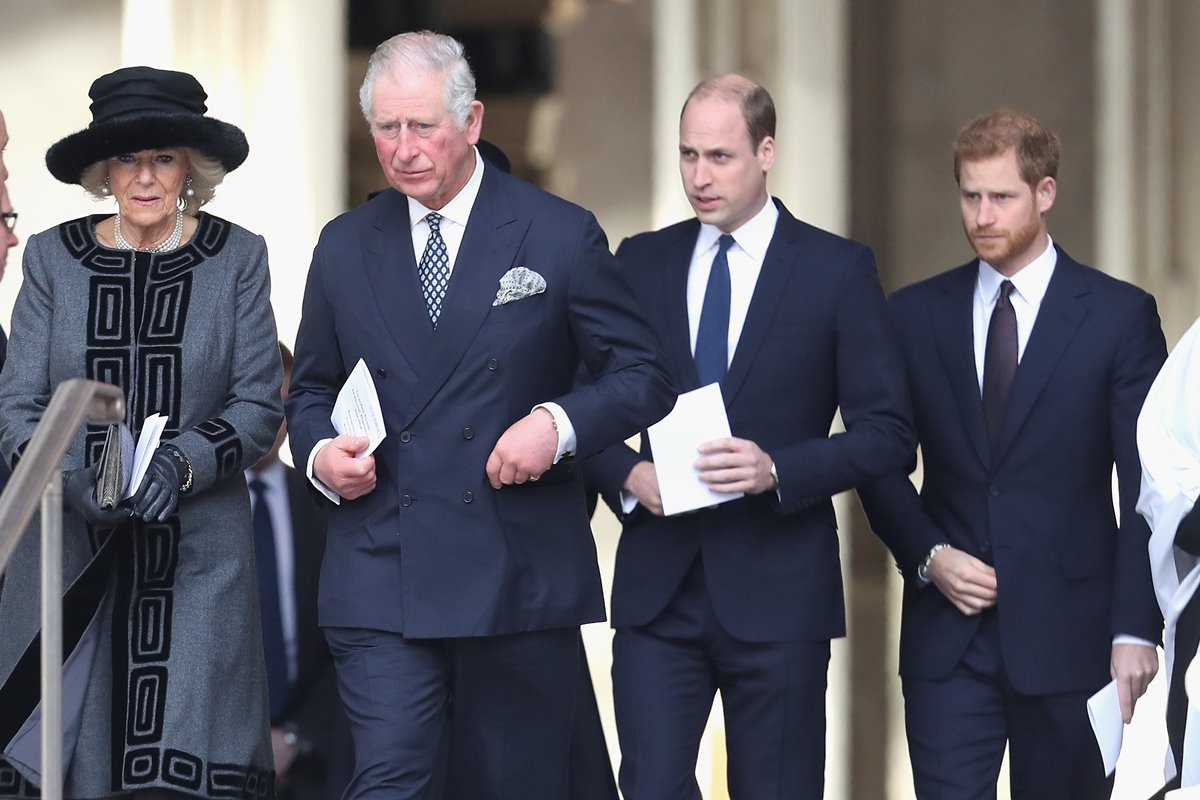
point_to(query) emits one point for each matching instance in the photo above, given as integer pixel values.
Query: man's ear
(766, 153)
(1044, 194)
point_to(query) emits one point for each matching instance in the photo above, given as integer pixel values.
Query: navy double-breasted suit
(486, 587)
(1039, 505)
(434, 551)
(815, 340)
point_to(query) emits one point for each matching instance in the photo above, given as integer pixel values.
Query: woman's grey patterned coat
(175, 695)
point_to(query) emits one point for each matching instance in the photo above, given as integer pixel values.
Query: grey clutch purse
(116, 466)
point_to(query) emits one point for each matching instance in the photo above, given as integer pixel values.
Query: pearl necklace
(170, 243)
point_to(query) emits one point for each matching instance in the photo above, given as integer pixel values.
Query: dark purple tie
(999, 362)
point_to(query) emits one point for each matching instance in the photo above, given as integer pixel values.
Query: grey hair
(427, 53)
(205, 171)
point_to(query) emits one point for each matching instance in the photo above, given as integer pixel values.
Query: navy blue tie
(712, 335)
(268, 601)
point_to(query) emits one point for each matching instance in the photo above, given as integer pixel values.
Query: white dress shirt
(1029, 289)
(745, 256)
(275, 478)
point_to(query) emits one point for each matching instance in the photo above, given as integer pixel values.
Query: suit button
(468, 433)
(994, 490)
(380, 373)
(492, 364)
(405, 500)
(405, 436)
(468, 497)
(984, 546)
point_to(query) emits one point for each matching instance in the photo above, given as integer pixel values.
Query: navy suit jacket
(434, 551)
(815, 339)
(1040, 507)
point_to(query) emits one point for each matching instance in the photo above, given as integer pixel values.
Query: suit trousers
(508, 701)
(665, 675)
(958, 727)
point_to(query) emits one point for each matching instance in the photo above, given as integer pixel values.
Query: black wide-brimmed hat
(142, 108)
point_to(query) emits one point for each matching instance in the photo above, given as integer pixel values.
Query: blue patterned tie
(712, 335)
(434, 268)
(268, 601)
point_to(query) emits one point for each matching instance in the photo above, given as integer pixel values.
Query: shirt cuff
(333, 496)
(629, 502)
(1124, 638)
(566, 431)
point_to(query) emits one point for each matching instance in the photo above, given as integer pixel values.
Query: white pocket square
(517, 284)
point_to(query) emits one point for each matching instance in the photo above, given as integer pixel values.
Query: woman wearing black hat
(164, 685)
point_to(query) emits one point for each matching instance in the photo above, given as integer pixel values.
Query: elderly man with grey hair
(460, 560)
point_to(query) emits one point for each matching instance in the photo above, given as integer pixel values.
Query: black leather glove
(79, 494)
(158, 495)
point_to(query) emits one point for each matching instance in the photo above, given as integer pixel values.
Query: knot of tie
(434, 219)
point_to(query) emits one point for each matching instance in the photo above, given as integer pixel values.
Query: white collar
(754, 236)
(1030, 282)
(458, 210)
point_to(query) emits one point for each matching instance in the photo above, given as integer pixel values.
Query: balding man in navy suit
(744, 598)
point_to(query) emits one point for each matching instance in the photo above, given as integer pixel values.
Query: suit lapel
(391, 271)
(954, 329)
(489, 246)
(1062, 310)
(777, 267)
(677, 336)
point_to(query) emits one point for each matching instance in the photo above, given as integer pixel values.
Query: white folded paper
(698, 417)
(357, 412)
(143, 451)
(1104, 711)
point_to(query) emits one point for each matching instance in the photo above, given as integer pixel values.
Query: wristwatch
(923, 570)
(301, 746)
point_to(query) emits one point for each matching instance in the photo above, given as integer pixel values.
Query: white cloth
(1168, 434)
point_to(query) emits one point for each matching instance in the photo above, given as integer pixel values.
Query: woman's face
(147, 184)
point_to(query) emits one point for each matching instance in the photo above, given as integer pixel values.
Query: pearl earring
(189, 191)
(104, 190)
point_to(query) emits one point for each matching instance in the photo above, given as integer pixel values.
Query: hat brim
(68, 158)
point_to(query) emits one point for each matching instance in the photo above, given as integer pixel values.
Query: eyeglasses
(10, 219)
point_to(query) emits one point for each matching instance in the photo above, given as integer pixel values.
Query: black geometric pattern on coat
(13, 783)
(136, 320)
(228, 446)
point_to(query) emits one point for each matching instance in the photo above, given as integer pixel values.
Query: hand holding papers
(698, 417)
(122, 464)
(356, 411)
(147, 443)
(1104, 711)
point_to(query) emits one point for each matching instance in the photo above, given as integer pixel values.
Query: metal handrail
(39, 476)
